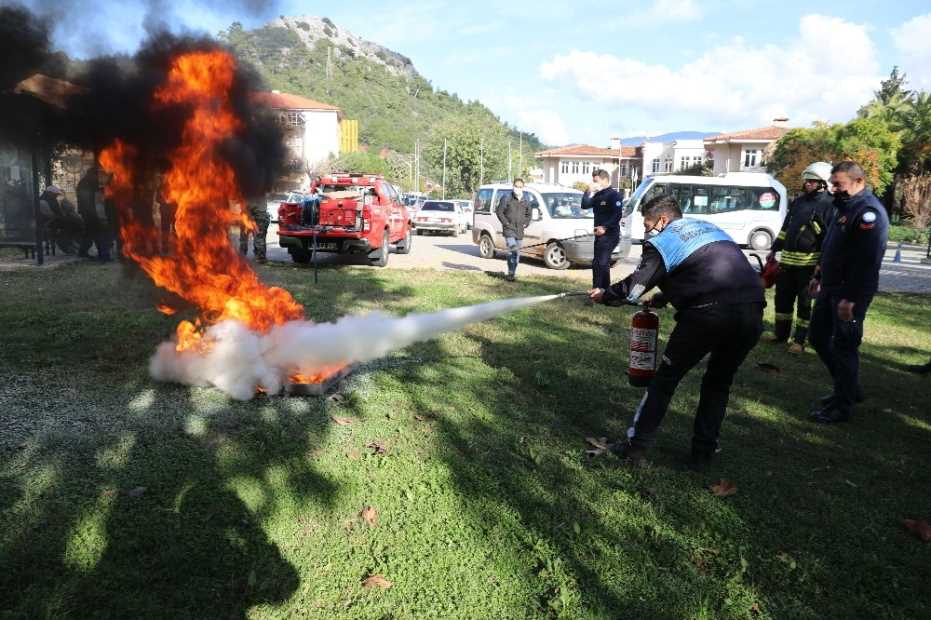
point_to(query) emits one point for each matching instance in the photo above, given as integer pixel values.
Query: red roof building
(575, 163)
(746, 150)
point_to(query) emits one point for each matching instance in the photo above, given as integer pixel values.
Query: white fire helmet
(818, 171)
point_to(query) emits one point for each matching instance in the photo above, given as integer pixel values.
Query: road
(460, 254)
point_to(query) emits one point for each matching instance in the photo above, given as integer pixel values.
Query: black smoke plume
(115, 100)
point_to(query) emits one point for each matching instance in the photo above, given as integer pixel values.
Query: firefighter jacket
(803, 230)
(853, 249)
(694, 263)
(607, 206)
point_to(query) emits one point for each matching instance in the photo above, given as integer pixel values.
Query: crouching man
(719, 301)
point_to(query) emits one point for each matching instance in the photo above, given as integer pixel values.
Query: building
(674, 156)
(745, 151)
(573, 164)
(315, 131)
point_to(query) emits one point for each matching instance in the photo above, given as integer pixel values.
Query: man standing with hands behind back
(608, 206)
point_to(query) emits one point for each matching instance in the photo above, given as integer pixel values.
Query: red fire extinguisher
(644, 336)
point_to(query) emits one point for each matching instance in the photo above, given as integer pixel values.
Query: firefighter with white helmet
(800, 242)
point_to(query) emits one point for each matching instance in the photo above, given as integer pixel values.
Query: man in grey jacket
(514, 211)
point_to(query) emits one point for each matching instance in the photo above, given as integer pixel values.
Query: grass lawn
(124, 498)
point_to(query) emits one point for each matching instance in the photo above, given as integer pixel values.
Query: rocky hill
(394, 104)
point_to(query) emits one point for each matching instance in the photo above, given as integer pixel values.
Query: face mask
(654, 231)
(519, 192)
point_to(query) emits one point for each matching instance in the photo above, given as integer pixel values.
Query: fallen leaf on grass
(724, 488)
(370, 516)
(921, 529)
(420, 418)
(755, 609)
(353, 455)
(769, 368)
(341, 421)
(378, 447)
(376, 581)
(598, 442)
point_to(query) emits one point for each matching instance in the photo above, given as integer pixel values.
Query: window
(586, 167)
(684, 163)
(438, 206)
(483, 201)
(575, 167)
(564, 166)
(718, 199)
(565, 205)
(667, 164)
(751, 158)
(655, 165)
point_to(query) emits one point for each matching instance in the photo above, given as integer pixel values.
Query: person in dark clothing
(719, 301)
(608, 207)
(845, 282)
(59, 219)
(92, 210)
(515, 214)
(800, 243)
(259, 213)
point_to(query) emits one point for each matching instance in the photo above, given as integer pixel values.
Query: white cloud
(826, 71)
(913, 41)
(525, 113)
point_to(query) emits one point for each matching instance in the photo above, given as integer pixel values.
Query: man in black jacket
(800, 243)
(719, 301)
(608, 206)
(845, 283)
(514, 211)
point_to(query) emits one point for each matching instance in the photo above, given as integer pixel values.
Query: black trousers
(792, 291)
(726, 332)
(601, 263)
(838, 345)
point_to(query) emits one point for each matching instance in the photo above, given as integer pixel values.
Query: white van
(749, 206)
(557, 218)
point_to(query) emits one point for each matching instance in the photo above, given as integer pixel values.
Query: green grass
(124, 498)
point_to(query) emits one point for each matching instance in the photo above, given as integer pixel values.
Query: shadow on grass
(140, 500)
(813, 533)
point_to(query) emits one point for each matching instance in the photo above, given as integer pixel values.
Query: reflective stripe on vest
(683, 237)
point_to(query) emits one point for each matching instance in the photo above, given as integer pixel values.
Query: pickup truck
(347, 214)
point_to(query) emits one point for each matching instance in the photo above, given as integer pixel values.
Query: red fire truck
(348, 214)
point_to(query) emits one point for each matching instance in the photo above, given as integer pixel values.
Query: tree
(869, 141)
(471, 146)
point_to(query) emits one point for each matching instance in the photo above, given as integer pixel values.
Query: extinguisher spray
(644, 337)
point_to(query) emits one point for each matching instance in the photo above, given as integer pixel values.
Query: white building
(315, 135)
(744, 151)
(572, 164)
(669, 157)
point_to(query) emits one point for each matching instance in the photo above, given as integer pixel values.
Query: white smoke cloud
(240, 360)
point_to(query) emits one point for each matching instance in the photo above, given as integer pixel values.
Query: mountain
(669, 137)
(393, 102)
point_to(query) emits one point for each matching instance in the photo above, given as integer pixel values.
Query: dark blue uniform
(851, 258)
(608, 207)
(719, 299)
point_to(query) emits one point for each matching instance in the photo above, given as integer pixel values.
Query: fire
(317, 377)
(204, 269)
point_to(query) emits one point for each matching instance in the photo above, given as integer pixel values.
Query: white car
(749, 206)
(440, 216)
(561, 232)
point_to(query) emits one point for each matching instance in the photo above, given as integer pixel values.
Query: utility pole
(481, 161)
(417, 165)
(509, 161)
(444, 168)
(520, 153)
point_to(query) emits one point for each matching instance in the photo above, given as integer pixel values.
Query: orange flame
(204, 269)
(317, 377)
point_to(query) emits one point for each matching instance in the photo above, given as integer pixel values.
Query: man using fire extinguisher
(719, 301)
(800, 243)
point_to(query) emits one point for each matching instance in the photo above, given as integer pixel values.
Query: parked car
(468, 212)
(560, 232)
(444, 216)
(749, 206)
(274, 200)
(348, 214)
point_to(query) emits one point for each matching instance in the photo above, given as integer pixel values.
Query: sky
(584, 72)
